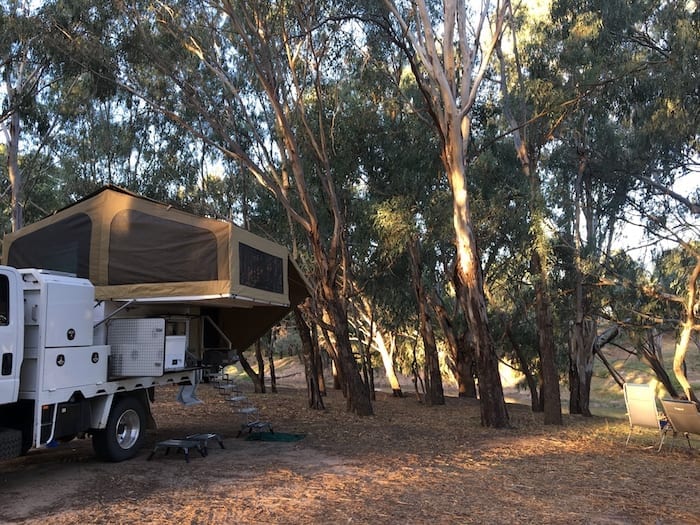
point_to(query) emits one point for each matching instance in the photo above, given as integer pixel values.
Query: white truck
(71, 366)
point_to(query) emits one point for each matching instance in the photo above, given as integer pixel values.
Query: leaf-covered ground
(408, 463)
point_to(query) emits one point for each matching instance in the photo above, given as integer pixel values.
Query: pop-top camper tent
(133, 248)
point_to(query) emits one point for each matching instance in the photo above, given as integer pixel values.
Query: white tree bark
(451, 57)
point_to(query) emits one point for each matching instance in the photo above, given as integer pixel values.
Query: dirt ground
(408, 463)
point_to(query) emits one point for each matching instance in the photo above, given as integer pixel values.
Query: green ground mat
(276, 436)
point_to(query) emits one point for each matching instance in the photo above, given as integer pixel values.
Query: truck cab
(11, 334)
(56, 381)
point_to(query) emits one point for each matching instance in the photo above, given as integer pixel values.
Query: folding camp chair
(683, 416)
(642, 410)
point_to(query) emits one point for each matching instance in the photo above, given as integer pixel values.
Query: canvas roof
(134, 248)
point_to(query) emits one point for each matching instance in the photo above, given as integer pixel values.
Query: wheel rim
(128, 429)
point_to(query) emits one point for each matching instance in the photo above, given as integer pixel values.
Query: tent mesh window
(144, 248)
(63, 246)
(260, 270)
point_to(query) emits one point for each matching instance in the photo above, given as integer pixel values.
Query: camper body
(71, 366)
(145, 286)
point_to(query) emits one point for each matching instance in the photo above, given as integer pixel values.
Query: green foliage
(673, 267)
(609, 94)
(394, 220)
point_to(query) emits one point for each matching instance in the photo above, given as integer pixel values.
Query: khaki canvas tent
(136, 249)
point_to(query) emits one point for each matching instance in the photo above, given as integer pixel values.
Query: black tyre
(124, 433)
(10, 443)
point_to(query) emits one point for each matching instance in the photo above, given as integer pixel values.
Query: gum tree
(449, 53)
(258, 81)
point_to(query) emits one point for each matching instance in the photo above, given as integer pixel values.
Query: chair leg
(687, 437)
(663, 437)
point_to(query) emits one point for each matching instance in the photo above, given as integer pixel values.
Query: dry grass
(407, 464)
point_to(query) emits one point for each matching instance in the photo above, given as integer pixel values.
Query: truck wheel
(10, 443)
(124, 433)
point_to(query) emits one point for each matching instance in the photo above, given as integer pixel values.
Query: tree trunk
(367, 373)
(273, 375)
(574, 382)
(492, 402)
(539, 250)
(434, 393)
(687, 328)
(310, 362)
(14, 173)
(461, 359)
(366, 353)
(584, 328)
(449, 77)
(418, 385)
(363, 308)
(550, 375)
(582, 338)
(356, 391)
(261, 365)
(254, 377)
(473, 302)
(318, 357)
(679, 362)
(336, 375)
(651, 354)
(388, 362)
(466, 369)
(536, 403)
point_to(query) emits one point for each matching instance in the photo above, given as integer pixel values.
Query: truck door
(11, 334)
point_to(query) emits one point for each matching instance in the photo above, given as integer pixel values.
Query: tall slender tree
(268, 106)
(449, 57)
(531, 132)
(24, 71)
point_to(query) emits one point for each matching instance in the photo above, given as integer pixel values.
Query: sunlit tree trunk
(377, 337)
(387, 355)
(688, 326)
(449, 67)
(490, 388)
(14, 173)
(11, 128)
(471, 295)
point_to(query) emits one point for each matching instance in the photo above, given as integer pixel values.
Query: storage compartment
(69, 313)
(72, 418)
(175, 346)
(176, 337)
(138, 347)
(72, 367)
